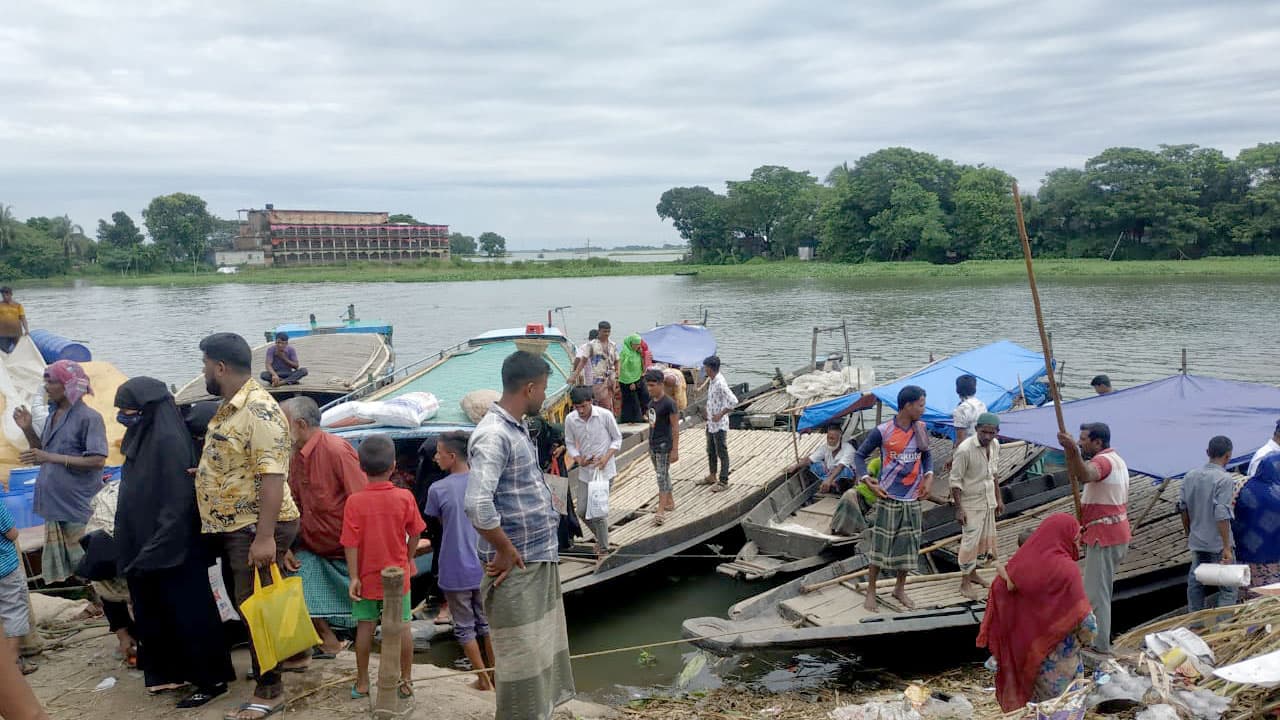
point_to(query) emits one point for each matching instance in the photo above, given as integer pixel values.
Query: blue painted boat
(348, 325)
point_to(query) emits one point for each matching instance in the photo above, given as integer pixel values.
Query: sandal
(320, 654)
(202, 697)
(356, 694)
(266, 710)
(404, 689)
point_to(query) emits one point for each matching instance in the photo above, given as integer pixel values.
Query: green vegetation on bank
(1174, 202)
(460, 270)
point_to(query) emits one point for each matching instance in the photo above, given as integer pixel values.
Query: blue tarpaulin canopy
(679, 344)
(1162, 428)
(999, 368)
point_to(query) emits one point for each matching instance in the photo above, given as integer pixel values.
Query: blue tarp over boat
(678, 344)
(1162, 428)
(999, 368)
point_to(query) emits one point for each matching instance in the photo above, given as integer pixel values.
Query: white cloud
(551, 122)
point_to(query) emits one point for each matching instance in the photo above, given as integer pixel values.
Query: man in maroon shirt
(323, 473)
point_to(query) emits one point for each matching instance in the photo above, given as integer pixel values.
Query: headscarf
(1021, 628)
(1257, 515)
(988, 418)
(156, 521)
(72, 377)
(630, 361)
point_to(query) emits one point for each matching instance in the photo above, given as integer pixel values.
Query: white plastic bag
(597, 494)
(226, 610)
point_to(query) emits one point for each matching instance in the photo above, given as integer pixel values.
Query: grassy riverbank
(1241, 267)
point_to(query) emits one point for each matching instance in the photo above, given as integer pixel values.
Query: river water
(1132, 330)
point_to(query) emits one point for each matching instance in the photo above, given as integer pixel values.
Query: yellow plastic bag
(278, 620)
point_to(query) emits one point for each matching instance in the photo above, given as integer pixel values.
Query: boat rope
(580, 656)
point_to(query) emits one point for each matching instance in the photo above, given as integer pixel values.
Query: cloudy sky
(555, 122)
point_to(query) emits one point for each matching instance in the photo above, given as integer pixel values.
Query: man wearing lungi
(510, 504)
(323, 472)
(977, 499)
(906, 473)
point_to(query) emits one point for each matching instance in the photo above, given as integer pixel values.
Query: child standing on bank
(13, 591)
(380, 528)
(460, 568)
(664, 440)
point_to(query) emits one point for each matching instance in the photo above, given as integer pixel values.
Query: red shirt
(322, 475)
(378, 523)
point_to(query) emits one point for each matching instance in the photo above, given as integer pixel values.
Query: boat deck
(1150, 550)
(336, 364)
(759, 457)
(474, 367)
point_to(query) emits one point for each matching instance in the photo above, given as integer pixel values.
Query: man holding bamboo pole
(1105, 528)
(906, 473)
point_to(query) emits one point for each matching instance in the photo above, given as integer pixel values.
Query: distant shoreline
(1233, 267)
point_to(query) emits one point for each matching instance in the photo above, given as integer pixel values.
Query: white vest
(1112, 489)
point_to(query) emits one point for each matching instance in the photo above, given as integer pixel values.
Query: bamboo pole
(388, 702)
(1044, 342)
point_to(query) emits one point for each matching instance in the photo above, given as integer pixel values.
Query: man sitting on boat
(831, 462)
(283, 367)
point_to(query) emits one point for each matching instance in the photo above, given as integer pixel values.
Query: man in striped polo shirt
(1105, 522)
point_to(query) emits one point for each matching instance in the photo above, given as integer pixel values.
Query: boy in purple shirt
(283, 367)
(460, 568)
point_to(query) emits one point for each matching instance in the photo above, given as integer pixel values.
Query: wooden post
(1184, 361)
(795, 444)
(848, 355)
(813, 351)
(879, 407)
(1044, 341)
(387, 702)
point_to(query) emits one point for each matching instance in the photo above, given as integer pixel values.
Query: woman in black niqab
(157, 535)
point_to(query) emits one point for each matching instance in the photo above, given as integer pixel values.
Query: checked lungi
(895, 535)
(326, 587)
(526, 624)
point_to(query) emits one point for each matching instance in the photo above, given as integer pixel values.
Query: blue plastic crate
(21, 496)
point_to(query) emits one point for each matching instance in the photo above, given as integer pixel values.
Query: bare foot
(660, 517)
(481, 683)
(977, 579)
(871, 604)
(901, 596)
(969, 592)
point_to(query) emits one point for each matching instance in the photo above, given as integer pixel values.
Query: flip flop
(356, 694)
(320, 654)
(201, 697)
(404, 689)
(266, 710)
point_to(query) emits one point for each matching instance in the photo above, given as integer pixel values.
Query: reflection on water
(1132, 330)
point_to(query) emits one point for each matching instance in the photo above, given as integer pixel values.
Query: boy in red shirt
(380, 528)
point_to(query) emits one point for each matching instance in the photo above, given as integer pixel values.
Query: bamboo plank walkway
(335, 363)
(1157, 544)
(758, 458)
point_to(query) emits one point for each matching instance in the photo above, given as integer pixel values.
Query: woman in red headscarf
(1038, 620)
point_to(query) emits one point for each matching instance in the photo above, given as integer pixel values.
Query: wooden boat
(473, 365)
(760, 459)
(337, 364)
(350, 324)
(831, 613)
(789, 530)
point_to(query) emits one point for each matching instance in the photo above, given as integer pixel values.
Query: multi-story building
(330, 237)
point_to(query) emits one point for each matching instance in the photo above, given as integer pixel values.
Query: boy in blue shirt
(13, 591)
(460, 568)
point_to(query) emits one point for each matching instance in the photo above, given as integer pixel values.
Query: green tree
(699, 215)
(777, 205)
(120, 232)
(985, 224)
(875, 177)
(841, 223)
(493, 244)
(69, 236)
(35, 256)
(7, 223)
(179, 223)
(1147, 199)
(131, 258)
(912, 224)
(461, 245)
(403, 219)
(42, 224)
(1258, 227)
